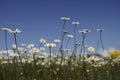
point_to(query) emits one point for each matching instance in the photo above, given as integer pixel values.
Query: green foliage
(78, 71)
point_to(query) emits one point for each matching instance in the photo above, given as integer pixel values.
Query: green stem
(6, 45)
(62, 40)
(101, 41)
(50, 54)
(83, 45)
(67, 43)
(17, 46)
(75, 39)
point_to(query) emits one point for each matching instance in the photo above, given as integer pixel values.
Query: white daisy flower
(65, 18)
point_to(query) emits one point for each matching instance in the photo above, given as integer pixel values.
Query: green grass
(69, 71)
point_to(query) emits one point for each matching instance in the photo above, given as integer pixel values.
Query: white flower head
(41, 57)
(70, 36)
(50, 45)
(15, 55)
(5, 29)
(100, 30)
(75, 23)
(57, 40)
(65, 18)
(15, 31)
(3, 51)
(42, 40)
(35, 50)
(13, 46)
(30, 46)
(94, 58)
(91, 49)
(84, 31)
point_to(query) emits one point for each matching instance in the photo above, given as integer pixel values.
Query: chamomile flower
(3, 52)
(42, 40)
(100, 30)
(35, 50)
(65, 18)
(5, 29)
(30, 46)
(57, 40)
(15, 55)
(92, 58)
(84, 31)
(70, 36)
(50, 45)
(13, 46)
(15, 31)
(75, 23)
(91, 49)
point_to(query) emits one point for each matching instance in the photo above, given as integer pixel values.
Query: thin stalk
(51, 73)
(50, 54)
(66, 47)
(14, 56)
(39, 49)
(83, 45)
(83, 55)
(17, 46)
(75, 39)
(101, 41)
(34, 56)
(40, 45)
(67, 43)
(6, 45)
(56, 49)
(73, 53)
(62, 38)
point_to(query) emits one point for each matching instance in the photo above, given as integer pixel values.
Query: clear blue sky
(41, 19)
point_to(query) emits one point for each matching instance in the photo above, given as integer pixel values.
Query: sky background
(41, 19)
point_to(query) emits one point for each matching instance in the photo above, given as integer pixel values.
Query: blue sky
(41, 19)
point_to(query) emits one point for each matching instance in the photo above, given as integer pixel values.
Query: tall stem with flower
(63, 34)
(50, 54)
(14, 32)
(75, 24)
(56, 49)
(82, 53)
(101, 41)
(6, 43)
(42, 41)
(83, 45)
(50, 46)
(84, 33)
(16, 45)
(66, 47)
